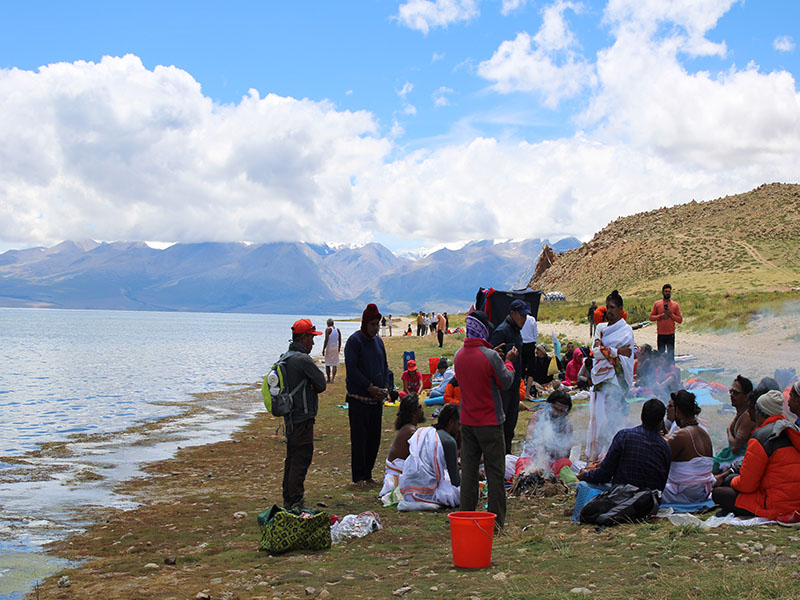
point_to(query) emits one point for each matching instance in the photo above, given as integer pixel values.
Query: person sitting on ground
(540, 376)
(639, 456)
(573, 367)
(690, 479)
(444, 373)
(794, 401)
(667, 376)
(566, 356)
(740, 428)
(409, 414)
(585, 374)
(452, 392)
(412, 380)
(549, 435)
(766, 485)
(430, 473)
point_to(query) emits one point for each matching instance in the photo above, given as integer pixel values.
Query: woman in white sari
(690, 479)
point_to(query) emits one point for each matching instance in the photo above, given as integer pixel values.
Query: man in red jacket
(483, 375)
(666, 313)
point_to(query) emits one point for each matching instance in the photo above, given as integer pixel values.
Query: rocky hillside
(734, 244)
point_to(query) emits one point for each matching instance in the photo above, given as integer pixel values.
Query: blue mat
(696, 370)
(704, 398)
(689, 508)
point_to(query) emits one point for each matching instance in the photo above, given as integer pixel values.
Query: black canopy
(495, 303)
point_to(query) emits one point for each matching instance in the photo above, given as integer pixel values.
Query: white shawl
(614, 336)
(425, 477)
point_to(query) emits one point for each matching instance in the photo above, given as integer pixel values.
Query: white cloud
(554, 34)
(410, 109)
(423, 15)
(510, 6)
(112, 150)
(686, 22)
(406, 89)
(440, 96)
(784, 43)
(519, 66)
(437, 57)
(646, 98)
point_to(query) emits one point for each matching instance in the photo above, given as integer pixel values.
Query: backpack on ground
(278, 399)
(621, 504)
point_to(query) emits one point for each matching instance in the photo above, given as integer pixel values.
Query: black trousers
(487, 442)
(419, 329)
(299, 450)
(511, 408)
(666, 344)
(366, 421)
(440, 335)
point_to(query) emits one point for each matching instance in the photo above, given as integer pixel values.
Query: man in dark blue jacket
(300, 367)
(367, 382)
(508, 335)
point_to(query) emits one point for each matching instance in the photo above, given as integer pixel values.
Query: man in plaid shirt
(639, 455)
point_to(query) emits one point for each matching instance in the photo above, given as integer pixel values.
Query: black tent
(495, 303)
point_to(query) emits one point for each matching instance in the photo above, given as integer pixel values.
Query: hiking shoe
(789, 519)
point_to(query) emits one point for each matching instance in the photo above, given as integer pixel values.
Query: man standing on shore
(666, 313)
(482, 377)
(300, 368)
(509, 335)
(367, 381)
(590, 314)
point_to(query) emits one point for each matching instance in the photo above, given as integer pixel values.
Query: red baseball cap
(411, 365)
(305, 326)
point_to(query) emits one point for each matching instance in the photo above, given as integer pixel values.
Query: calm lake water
(67, 372)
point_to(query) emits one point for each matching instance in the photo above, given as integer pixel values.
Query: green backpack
(278, 399)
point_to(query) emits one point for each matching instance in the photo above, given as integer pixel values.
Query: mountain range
(280, 277)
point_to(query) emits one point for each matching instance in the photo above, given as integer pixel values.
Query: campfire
(537, 484)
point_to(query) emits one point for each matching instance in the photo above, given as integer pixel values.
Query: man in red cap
(300, 368)
(367, 381)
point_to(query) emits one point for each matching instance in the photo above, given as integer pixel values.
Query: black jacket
(298, 367)
(508, 332)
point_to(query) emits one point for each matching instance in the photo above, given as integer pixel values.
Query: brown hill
(737, 243)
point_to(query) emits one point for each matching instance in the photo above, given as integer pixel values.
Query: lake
(89, 377)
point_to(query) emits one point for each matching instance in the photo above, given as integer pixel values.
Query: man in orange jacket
(666, 313)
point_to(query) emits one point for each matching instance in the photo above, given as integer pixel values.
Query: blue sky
(411, 123)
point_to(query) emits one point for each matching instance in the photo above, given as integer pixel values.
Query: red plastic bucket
(471, 535)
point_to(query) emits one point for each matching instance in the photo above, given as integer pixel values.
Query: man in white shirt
(530, 335)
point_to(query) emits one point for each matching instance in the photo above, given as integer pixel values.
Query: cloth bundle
(284, 530)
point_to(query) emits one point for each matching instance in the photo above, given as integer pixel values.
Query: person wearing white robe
(612, 377)
(425, 476)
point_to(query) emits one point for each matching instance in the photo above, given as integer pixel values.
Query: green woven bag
(284, 530)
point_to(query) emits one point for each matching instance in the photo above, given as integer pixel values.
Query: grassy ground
(701, 311)
(190, 501)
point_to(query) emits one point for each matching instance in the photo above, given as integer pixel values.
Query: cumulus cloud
(522, 65)
(423, 15)
(784, 43)
(112, 150)
(684, 22)
(646, 97)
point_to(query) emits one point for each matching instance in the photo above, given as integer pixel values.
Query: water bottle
(273, 381)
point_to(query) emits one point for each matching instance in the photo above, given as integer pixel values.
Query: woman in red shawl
(573, 366)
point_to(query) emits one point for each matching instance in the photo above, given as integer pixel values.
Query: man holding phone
(666, 313)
